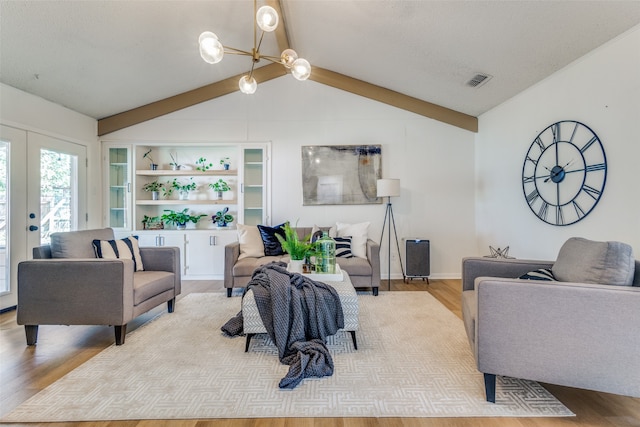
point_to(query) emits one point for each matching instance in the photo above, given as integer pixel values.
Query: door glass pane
(58, 193)
(4, 224)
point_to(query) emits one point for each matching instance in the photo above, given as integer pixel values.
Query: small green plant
(202, 165)
(147, 156)
(180, 219)
(174, 162)
(222, 218)
(291, 243)
(220, 185)
(152, 223)
(153, 186)
(225, 162)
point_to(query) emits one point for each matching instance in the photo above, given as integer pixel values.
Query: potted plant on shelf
(154, 187)
(174, 162)
(225, 162)
(219, 187)
(180, 219)
(182, 189)
(152, 164)
(152, 223)
(296, 248)
(202, 165)
(222, 218)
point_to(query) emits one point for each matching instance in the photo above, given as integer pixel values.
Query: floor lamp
(390, 188)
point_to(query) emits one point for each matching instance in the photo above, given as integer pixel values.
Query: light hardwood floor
(26, 370)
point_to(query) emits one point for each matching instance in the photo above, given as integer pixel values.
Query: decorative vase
(155, 195)
(295, 265)
(181, 226)
(183, 195)
(221, 224)
(226, 166)
(219, 195)
(325, 254)
(153, 166)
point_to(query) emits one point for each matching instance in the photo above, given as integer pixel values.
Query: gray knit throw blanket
(298, 314)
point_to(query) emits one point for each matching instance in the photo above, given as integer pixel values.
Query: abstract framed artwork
(340, 174)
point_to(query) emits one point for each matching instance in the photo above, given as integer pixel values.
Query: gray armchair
(65, 284)
(568, 333)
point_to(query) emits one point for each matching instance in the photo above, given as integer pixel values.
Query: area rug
(413, 360)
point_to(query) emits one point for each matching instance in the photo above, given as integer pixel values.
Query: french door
(44, 179)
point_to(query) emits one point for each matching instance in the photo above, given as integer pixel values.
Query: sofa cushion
(586, 261)
(126, 248)
(77, 244)
(544, 274)
(343, 247)
(272, 246)
(250, 241)
(147, 284)
(359, 236)
(247, 265)
(355, 266)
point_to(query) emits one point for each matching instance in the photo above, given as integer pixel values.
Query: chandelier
(266, 18)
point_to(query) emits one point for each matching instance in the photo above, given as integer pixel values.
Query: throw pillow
(358, 233)
(343, 247)
(250, 241)
(126, 248)
(544, 274)
(272, 246)
(586, 261)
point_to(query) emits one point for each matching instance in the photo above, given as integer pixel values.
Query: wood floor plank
(24, 371)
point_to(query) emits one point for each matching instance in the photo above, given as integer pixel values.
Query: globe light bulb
(287, 57)
(247, 85)
(301, 69)
(211, 50)
(267, 18)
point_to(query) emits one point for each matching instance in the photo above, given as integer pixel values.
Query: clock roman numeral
(540, 144)
(555, 130)
(591, 192)
(544, 209)
(527, 179)
(559, 215)
(579, 210)
(534, 161)
(531, 197)
(589, 144)
(596, 167)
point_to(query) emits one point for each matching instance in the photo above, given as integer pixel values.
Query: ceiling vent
(479, 80)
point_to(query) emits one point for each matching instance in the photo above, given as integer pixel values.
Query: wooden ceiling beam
(184, 100)
(396, 99)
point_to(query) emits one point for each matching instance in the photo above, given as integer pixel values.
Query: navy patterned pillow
(539, 274)
(272, 246)
(343, 247)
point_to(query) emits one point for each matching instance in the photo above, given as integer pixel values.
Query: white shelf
(191, 172)
(186, 202)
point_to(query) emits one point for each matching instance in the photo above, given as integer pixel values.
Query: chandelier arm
(234, 51)
(274, 59)
(257, 49)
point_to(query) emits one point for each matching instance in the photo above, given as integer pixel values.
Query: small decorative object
(202, 165)
(182, 189)
(499, 253)
(564, 173)
(152, 223)
(219, 187)
(225, 163)
(152, 164)
(222, 218)
(180, 219)
(325, 254)
(174, 162)
(296, 248)
(154, 187)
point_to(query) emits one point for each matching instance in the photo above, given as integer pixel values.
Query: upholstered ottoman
(252, 322)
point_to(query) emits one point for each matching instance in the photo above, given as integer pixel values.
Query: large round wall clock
(564, 173)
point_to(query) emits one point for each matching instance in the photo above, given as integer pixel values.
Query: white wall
(434, 161)
(24, 111)
(602, 90)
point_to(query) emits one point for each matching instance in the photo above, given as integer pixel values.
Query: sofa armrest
(75, 292)
(231, 254)
(475, 267)
(373, 255)
(163, 258)
(573, 334)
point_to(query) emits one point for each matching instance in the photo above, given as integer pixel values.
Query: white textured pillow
(358, 233)
(250, 241)
(126, 248)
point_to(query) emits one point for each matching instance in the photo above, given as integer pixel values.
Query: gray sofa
(364, 273)
(65, 284)
(577, 333)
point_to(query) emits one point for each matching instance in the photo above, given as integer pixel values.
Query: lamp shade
(388, 187)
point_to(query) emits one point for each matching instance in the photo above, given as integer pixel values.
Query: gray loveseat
(575, 333)
(363, 272)
(65, 284)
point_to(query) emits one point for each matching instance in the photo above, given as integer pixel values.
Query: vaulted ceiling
(123, 62)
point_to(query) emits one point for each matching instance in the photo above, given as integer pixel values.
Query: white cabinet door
(164, 238)
(205, 253)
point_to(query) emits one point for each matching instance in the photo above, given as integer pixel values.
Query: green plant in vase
(154, 187)
(225, 162)
(202, 165)
(174, 162)
(222, 218)
(296, 248)
(220, 186)
(180, 219)
(182, 189)
(152, 223)
(152, 164)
